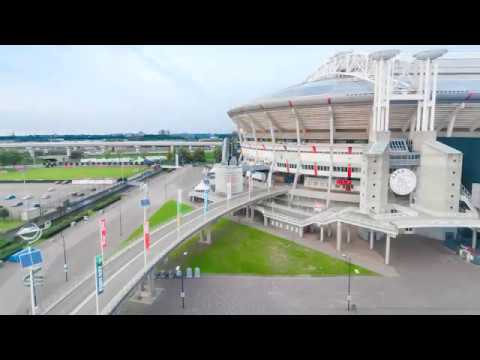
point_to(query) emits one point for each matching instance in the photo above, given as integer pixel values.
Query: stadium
(357, 143)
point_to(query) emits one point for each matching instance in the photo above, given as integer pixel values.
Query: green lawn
(164, 214)
(72, 173)
(209, 156)
(7, 224)
(240, 249)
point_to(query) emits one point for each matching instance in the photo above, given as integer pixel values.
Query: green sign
(99, 273)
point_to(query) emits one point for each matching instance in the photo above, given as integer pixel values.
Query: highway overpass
(123, 271)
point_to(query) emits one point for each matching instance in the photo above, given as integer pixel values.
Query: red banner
(314, 148)
(103, 234)
(146, 235)
(315, 169)
(349, 171)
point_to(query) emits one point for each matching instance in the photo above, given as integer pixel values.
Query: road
(82, 243)
(127, 268)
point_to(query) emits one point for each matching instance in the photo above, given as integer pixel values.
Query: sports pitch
(72, 173)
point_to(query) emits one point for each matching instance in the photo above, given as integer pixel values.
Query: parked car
(74, 194)
(58, 182)
(45, 196)
(27, 197)
(80, 194)
(10, 197)
(66, 182)
(17, 204)
(36, 205)
(51, 189)
(94, 189)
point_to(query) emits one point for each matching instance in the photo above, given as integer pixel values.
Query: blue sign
(144, 203)
(30, 258)
(99, 273)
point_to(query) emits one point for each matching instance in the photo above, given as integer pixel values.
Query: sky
(124, 89)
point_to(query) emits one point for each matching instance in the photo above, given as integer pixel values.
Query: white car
(51, 189)
(27, 197)
(45, 196)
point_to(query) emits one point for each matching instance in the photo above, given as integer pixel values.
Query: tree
(184, 154)
(198, 155)
(217, 153)
(170, 156)
(4, 213)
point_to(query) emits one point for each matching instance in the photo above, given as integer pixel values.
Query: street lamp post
(349, 298)
(182, 293)
(65, 266)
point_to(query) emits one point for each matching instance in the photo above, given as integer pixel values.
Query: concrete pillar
(265, 221)
(202, 237)
(339, 236)
(387, 250)
(172, 148)
(300, 231)
(474, 238)
(189, 147)
(371, 235)
(321, 234)
(31, 151)
(209, 236)
(69, 152)
(329, 232)
(348, 234)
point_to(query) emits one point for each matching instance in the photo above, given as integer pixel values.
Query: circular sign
(30, 232)
(403, 181)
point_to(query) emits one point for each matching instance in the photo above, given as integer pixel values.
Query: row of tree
(12, 157)
(197, 155)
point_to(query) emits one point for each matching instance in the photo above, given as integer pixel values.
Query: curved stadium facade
(338, 136)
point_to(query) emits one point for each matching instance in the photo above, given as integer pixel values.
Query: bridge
(126, 269)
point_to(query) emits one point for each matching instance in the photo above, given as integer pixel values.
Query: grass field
(72, 173)
(7, 224)
(240, 249)
(164, 214)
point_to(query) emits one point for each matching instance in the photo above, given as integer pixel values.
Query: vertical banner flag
(103, 234)
(315, 169)
(229, 188)
(146, 234)
(205, 201)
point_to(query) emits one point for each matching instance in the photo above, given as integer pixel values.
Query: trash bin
(189, 273)
(197, 272)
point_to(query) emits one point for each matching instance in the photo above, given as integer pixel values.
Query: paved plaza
(426, 278)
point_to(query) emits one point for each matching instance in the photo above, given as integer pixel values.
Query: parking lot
(48, 195)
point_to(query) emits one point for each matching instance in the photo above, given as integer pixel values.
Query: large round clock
(403, 181)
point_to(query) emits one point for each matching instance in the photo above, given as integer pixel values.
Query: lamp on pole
(349, 296)
(65, 266)
(182, 293)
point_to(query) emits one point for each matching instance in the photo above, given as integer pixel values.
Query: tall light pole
(349, 297)
(182, 293)
(65, 266)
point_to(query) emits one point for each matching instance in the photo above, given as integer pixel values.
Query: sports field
(72, 173)
(7, 224)
(240, 249)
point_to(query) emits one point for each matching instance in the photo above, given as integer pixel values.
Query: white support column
(322, 237)
(371, 236)
(339, 236)
(265, 221)
(348, 234)
(387, 250)
(300, 231)
(474, 238)
(209, 236)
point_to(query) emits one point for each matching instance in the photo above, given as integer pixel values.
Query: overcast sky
(111, 89)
